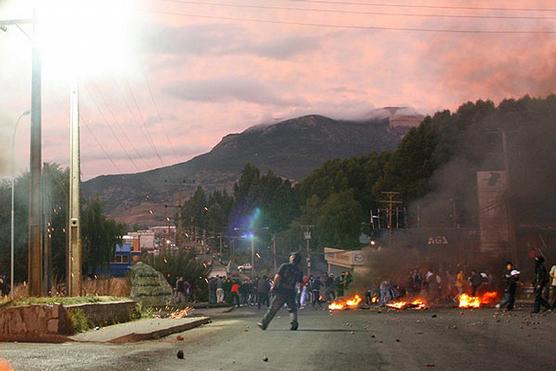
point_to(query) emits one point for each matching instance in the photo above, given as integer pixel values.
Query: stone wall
(34, 323)
(114, 286)
(104, 314)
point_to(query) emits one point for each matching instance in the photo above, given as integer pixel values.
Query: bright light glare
(85, 38)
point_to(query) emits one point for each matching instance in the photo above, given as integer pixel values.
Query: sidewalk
(145, 329)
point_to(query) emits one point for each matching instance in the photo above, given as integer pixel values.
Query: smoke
(5, 138)
(495, 67)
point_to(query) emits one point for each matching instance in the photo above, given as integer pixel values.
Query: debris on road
(181, 313)
(180, 354)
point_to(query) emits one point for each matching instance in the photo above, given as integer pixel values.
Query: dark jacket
(541, 275)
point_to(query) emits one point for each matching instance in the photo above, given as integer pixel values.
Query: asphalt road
(443, 339)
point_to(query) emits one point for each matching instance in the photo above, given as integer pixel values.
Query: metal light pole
(74, 249)
(12, 227)
(253, 257)
(307, 237)
(35, 164)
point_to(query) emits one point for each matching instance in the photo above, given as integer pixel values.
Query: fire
(415, 304)
(467, 301)
(349, 303)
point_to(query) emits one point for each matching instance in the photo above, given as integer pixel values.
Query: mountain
(291, 148)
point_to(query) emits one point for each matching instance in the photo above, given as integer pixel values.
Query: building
(354, 261)
(127, 253)
(146, 239)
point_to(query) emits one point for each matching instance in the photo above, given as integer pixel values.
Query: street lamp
(12, 235)
(251, 236)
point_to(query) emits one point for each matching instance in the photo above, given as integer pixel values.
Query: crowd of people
(314, 290)
(235, 291)
(436, 286)
(445, 286)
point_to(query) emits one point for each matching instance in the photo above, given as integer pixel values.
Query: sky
(164, 81)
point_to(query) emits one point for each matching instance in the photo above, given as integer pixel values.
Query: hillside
(291, 148)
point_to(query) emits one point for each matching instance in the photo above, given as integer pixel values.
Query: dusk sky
(194, 78)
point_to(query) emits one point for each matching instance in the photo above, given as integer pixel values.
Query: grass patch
(79, 321)
(64, 300)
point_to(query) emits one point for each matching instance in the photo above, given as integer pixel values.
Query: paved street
(443, 339)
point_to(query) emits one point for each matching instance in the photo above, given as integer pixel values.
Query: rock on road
(443, 339)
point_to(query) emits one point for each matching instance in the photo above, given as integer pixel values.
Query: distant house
(125, 255)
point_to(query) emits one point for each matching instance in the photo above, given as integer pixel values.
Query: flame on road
(347, 303)
(467, 301)
(415, 304)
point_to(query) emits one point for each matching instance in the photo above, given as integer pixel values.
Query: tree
(186, 265)
(339, 221)
(99, 234)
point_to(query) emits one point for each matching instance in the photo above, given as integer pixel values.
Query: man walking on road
(511, 277)
(285, 281)
(541, 279)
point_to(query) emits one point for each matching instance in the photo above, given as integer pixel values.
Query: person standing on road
(234, 292)
(180, 297)
(553, 285)
(340, 285)
(460, 282)
(212, 290)
(511, 277)
(285, 281)
(315, 289)
(475, 280)
(263, 288)
(541, 279)
(219, 290)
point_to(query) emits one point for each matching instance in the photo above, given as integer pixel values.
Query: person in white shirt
(553, 285)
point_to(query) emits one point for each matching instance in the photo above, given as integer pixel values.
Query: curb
(135, 337)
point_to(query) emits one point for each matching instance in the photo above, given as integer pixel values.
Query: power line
(361, 12)
(148, 83)
(99, 144)
(117, 137)
(359, 27)
(116, 122)
(425, 6)
(143, 123)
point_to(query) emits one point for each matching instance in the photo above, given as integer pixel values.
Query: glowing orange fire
(348, 303)
(467, 301)
(415, 304)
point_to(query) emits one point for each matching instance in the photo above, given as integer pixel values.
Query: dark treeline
(99, 233)
(435, 162)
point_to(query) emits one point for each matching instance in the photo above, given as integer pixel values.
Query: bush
(79, 321)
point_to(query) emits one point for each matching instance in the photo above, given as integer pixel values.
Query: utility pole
(274, 251)
(509, 209)
(35, 208)
(252, 257)
(307, 237)
(220, 244)
(390, 201)
(47, 222)
(74, 249)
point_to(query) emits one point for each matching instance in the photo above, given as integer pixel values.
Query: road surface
(442, 339)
